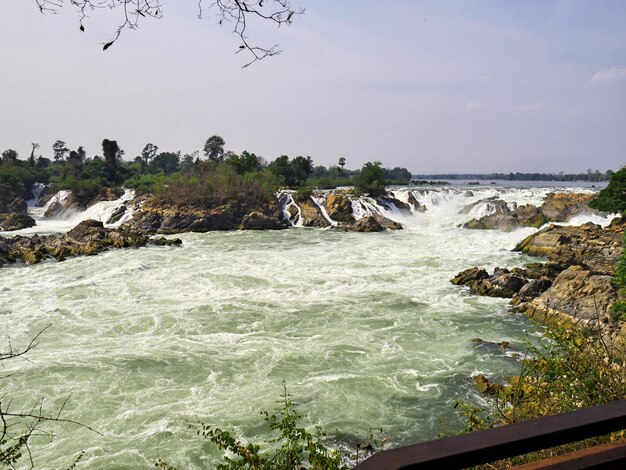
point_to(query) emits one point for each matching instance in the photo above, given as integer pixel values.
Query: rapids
(365, 329)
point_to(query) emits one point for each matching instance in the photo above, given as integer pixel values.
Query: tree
(214, 148)
(371, 180)
(31, 160)
(301, 168)
(342, 163)
(167, 162)
(613, 197)
(149, 152)
(59, 150)
(239, 13)
(111, 152)
(77, 156)
(9, 157)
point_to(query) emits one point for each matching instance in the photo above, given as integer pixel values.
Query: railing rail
(482, 447)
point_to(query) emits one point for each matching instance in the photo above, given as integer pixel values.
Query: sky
(436, 87)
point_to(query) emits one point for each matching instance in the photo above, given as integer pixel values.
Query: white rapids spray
(365, 329)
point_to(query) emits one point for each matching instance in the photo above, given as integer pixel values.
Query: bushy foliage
(613, 197)
(618, 309)
(569, 370)
(297, 448)
(371, 180)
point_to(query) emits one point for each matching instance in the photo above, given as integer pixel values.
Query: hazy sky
(455, 86)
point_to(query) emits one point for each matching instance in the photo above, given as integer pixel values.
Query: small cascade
(429, 198)
(286, 202)
(37, 191)
(320, 201)
(362, 207)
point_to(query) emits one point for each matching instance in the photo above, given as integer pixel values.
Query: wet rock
(417, 207)
(535, 287)
(339, 207)
(486, 386)
(502, 283)
(366, 224)
(15, 221)
(560, 207)
(391, 203)
(117, 214)
(312, 215)
(256, 220)
(530, 216)
(498, 205)
(587, 245)
(578, 294)
(88, 238)
(504, 222)
(468, 193)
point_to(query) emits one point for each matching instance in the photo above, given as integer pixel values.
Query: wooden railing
(481, 447)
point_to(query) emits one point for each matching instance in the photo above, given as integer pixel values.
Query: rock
(535, 287)
(560, 207)
(162, 241)
(468, 193)
(587, 245)
(576, 294)
(387, 223)
(469, 275)
(17, 206)
(530, 216)
(339, 207)
(417, 207)
(61, 203)
(486, 386)
(88, 238)
(117, 214)
(366, 224)
(256, 220)
(392, 204)
(15, 221)
(502, 283)
(504, 222)
(494, 203)
(312, 215)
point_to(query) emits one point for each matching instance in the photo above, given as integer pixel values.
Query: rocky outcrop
(573, 287)
(117, 214)
(311, 214)
(393, 204)
(588, 245)
(372, 223)
(417, 207)
(15, 221)
(578, 295)
(556, 208)
(339, 207)
(156, 217)
(90, 237)
(560, 207)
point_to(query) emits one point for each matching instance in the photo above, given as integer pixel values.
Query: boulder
(391, 203)
(587, 245)
(576, 294)
(117, 214)
(560, 207)
(497, 205)
(499, 221)
(256, 220)
(15, 221)
(502, 283)
(365, 224)
(417, 207)
(312, 215)
(339, 207)
(530, 216)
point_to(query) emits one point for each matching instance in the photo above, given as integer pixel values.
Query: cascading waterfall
(37, 191)
(365, 329)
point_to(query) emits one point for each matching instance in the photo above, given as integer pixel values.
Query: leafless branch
(236, 12)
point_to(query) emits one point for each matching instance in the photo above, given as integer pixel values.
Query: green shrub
(613, 197)
(303, 194)
(298, 448)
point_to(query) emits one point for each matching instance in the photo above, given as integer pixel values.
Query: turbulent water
(365, 329)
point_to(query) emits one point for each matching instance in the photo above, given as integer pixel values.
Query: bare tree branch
(237, 12)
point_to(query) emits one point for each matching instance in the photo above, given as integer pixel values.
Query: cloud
(528, 108)
(610, 75)
(474, 106)
(485, 79)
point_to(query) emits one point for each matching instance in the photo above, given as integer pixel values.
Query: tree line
(213, 171)
(589, 175)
